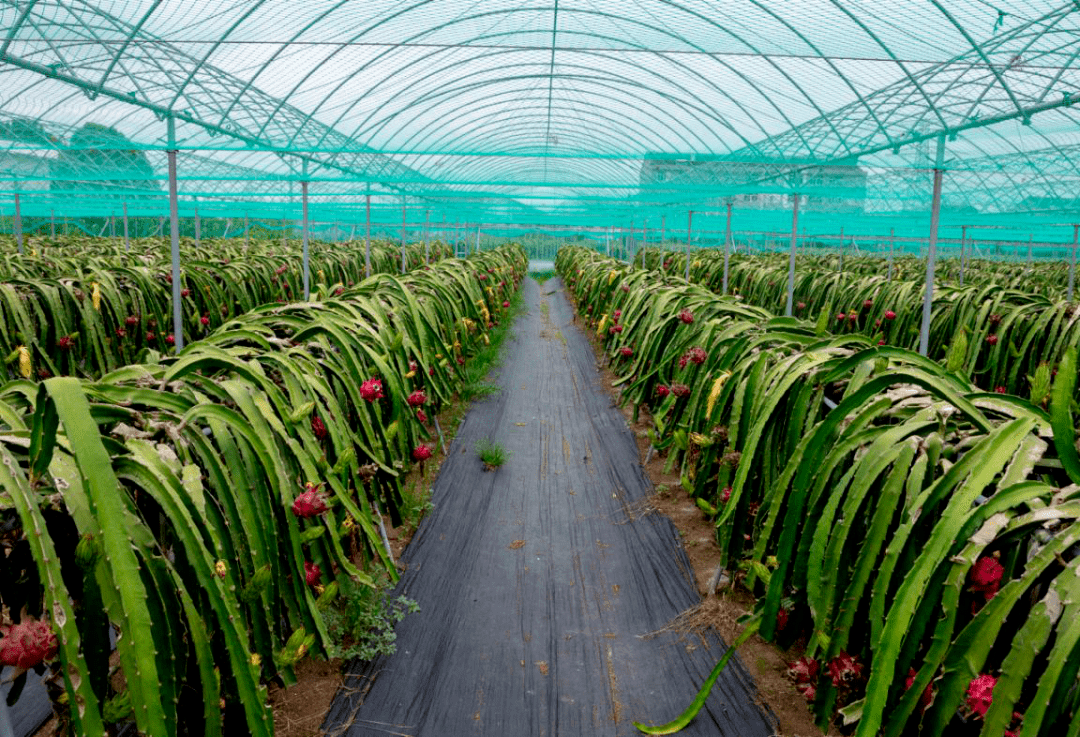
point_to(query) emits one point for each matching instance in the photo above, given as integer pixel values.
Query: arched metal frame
(452, 103)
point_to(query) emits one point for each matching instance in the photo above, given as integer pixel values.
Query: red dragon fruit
(986, 576)
(844, 669)
(371, 389)
(27, 643)
(697, 355)
(803, 670)
(421, 416)
(686, 316)
(310, 503)
(680, 390)
(980, 694)
(626, 351)
(662, 390)
(317, 427)
(890, 315)
(417, 398)
(312, 574)
(927, 696)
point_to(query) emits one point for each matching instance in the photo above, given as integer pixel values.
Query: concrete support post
(304, 237)
(727, 246)
(174, 223)
(689, 228)
(791, 258)
(931, 251)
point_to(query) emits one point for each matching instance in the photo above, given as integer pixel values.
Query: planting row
(921, 536)
(211, 509)
(1002, 339)
(65, 313)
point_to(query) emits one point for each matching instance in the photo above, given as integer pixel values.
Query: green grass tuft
(491, 453)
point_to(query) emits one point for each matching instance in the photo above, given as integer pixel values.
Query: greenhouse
(577, 367)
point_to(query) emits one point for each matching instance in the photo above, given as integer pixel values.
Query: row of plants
(90, 306)
(1002, 339)
(1048, 278)
(207, 510)
(917, 536)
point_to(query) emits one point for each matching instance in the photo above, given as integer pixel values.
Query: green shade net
(586, 118)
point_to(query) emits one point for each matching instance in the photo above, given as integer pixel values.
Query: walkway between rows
(535, 582)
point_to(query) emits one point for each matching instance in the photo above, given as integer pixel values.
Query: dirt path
(537, 582)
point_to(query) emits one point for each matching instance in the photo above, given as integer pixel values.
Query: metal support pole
(931, 251)
(198, 229)
(892, 245)
(963, 249)
(284, 231)
(478, 238)
(174, 222)
(247, 232)
(791, 258)
(367, 237)
(17, 223)
(402, 237)
(127, 239)
(304, 235)
(644, 241)
(52, 224)
(1031, 254)
(840, 264)
(727, 246)
(1072, 262)
(689, 227)
(112, 225)
(427, 245)
(663, 230)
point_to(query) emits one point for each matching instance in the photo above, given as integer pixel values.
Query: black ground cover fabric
(538, 582)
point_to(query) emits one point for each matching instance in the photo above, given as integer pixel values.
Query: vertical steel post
(727, 245)
(17, 223)
(1031, 251)
(112, 224)
(174, 222)
(247, 232)
(963, 249)
(1072, 261)
(52, 224)
(367, 236)
(478, 226)
(127, 239)
(840, 263)
(892, 245)
(304, 235)
(663, 231)
(689, 227)
(427, 244)
(403, 236)
(791, 258)
(931, 251)
(198, 229)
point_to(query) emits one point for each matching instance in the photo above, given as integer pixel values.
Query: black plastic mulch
(538, 582)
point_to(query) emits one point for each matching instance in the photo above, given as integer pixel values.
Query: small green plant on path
(491, 453)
